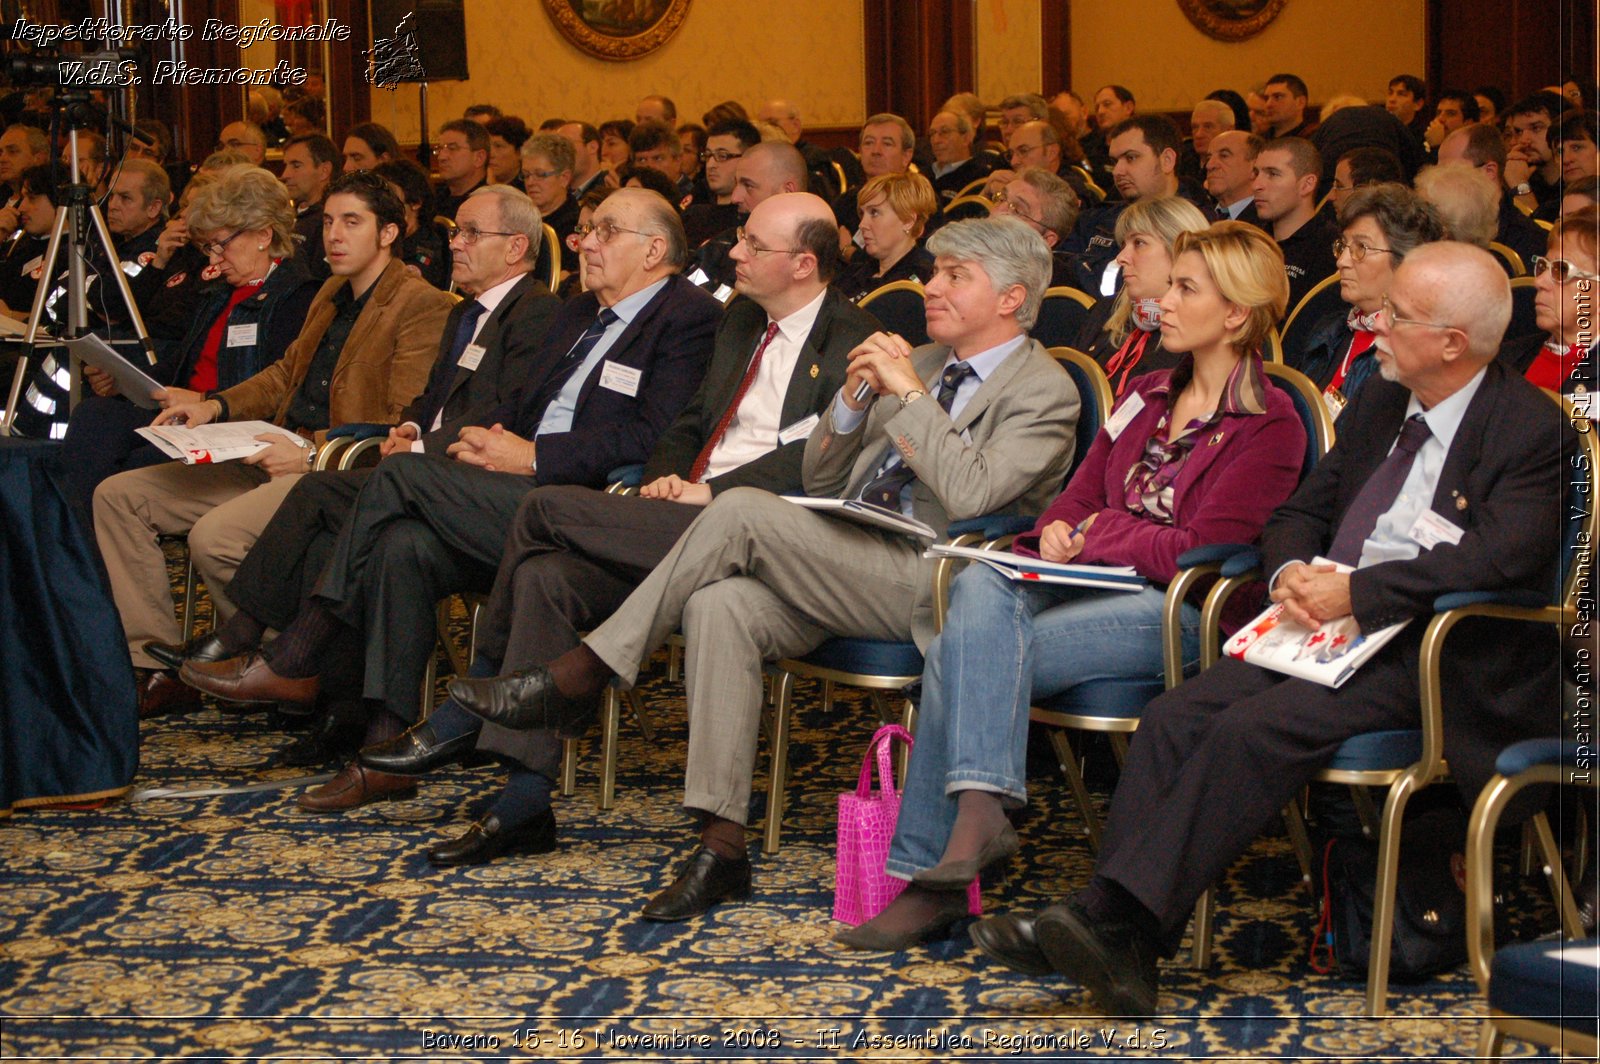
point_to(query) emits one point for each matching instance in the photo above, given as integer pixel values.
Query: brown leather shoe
(161, 692)
(354, 786)
(247, 678)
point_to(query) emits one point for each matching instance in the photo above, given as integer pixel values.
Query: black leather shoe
(952, 908)
(1010, 939)
(705, 880)
(522, 701)
(207, 647)
(332, 737)
(416, 751)
(955, 875)
(1111, 958)
(488, 839)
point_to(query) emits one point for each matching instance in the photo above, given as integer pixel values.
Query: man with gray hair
(979, 421)
(1446, 477)
(887, 145)
(950, 135)
(1208, 118)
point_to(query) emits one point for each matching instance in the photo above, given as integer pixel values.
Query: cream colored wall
(1008, 48)
(1335, 45)
(810, 52)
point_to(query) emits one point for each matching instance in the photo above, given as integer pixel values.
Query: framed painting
(617, 29)
(1231, 20)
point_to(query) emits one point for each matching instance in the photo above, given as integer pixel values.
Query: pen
(1082, 525)
(863, 390)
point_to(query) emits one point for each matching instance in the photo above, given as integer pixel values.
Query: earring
(261, 247)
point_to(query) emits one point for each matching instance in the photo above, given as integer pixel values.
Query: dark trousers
(423, 527)
(573, 557)
(283, 567)
(101, 442)
(1215, 761)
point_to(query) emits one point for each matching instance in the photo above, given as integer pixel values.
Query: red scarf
(1554, 364)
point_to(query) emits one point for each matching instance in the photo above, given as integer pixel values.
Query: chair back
(1522, 313)
(1272, 350)
(550, 258)
(898, 306)
(1310, 408)
(965, 207)
(1315, 306)
(1061, 316)
(972, 188)
(1513, 262)
(1094, 393)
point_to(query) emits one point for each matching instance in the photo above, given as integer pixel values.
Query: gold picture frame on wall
(617, 30)
(1231, 20)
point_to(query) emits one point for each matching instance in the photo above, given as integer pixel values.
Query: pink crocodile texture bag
(861, 887)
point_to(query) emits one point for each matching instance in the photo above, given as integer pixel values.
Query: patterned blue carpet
(240, 926)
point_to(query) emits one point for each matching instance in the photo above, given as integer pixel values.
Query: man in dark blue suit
(625, 357)
(1446, 477)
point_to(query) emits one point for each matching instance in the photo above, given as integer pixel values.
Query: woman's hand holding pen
(1060, 542)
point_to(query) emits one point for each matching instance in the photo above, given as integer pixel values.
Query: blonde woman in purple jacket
(1198, 454)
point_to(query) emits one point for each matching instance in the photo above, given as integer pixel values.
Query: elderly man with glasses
(616, 367)
(1446, 477)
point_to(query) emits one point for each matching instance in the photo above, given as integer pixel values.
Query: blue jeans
(1005, 645)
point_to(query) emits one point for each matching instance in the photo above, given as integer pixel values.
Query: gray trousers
(755, 579)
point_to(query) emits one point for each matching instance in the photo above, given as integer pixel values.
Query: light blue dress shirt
(558, 415)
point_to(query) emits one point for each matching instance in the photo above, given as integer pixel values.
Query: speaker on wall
(440, 27)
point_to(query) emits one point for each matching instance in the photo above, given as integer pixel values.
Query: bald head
(784, 115)
(1449, 307)
(789, 253)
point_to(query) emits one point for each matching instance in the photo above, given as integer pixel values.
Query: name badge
(471, 356)
(1431, 530)
(35, 263)
(241, 335)
(1125, 413)
(723, 293)
(798, 431)
(1334, 400)
(624, 379)
(697, 277)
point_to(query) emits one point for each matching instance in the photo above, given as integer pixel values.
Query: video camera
(111, 69)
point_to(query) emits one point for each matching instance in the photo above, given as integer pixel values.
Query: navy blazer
(514, 349)
(1501, 484)
(669, 341)
(818, 374)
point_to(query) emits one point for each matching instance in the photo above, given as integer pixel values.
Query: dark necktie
(573, 359)
(885, 489)
(433, 403)
(703, 459)
(1378, 493)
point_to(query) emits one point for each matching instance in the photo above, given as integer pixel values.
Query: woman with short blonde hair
(895, 210)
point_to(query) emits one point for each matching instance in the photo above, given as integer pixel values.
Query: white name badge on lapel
(624, 379)
(471, 357)
(35, 263)
(241, 335)
(798, 431)
(1431, 530)
(1125, 413)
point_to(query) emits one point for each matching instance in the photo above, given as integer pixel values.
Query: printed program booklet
(866, 513)
(1019, 567)
(214, 443)
(1329, 654)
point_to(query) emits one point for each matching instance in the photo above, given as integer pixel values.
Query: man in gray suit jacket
(981, 421)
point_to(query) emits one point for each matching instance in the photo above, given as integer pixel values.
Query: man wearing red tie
(574, 554)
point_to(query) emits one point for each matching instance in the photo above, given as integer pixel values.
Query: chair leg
(827, 696)
(1383, 894)
(674, 662)
(189, 596)
(1119, 747)
(610, 718)
(1205, 914)
(641, 715)
(430, 682)
(1366, 812)
(569, 767)
(1527, 860)
(1295, 824)
(1491, 1040)
(1068, 760)
(1538, 830)
(780, 762)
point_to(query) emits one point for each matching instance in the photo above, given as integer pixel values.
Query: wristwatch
(910, 397)
(1524, 189)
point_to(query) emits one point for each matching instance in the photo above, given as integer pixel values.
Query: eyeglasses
(1387, 310)
(451, 145)
(1013, 207)
(1561, 271)
(757, 250)
(217, 247)
(542, 175)
(1022, 151)
(471, 234)
(604, 232)
(1358, 252)
(721, 155)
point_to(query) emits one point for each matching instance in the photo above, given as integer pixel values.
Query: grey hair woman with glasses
(1379, 226)
(251, 301)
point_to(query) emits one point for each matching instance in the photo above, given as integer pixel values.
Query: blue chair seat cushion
(1123, 698)
(1525, 981)
(1378, 751)
(870, 656)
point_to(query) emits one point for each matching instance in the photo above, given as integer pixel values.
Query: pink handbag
(861, 887)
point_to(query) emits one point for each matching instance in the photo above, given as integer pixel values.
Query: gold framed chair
(550, 259)
(1510, 257)
(972, 188)
(1314, 306)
